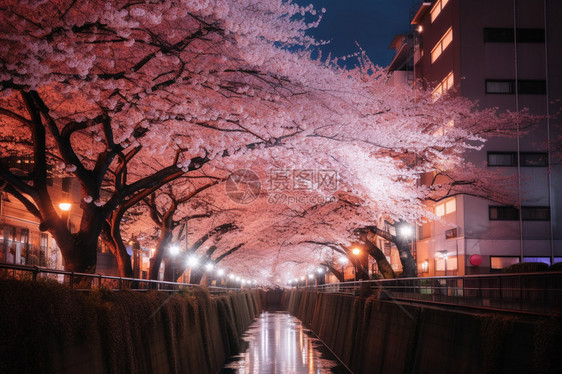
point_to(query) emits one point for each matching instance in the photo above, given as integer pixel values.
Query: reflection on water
(278, 343)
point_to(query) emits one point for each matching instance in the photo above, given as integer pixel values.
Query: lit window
(442, 44)
(445, 208)
(544, 260)
(445, 85)
(450, 206)
(497, 262)
(437, 9)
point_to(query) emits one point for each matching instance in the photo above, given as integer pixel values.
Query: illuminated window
(442, 44)
(437, 9)
(447, 207)
(497, 262)
(445, 85)
(450, 206)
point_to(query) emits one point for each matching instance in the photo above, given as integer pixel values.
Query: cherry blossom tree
(127, 97)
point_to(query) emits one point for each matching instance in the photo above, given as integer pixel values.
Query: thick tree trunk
(409, 266)
(196, 276)
(380, 258)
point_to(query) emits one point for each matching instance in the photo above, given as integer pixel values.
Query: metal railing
(86, 281)
(528, 292)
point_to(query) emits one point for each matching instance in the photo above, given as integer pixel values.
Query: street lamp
(65, 209)
(174, 250)
(193, 261)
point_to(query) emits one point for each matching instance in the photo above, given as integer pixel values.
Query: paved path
(277, 343)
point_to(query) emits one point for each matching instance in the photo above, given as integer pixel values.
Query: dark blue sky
(371, 23)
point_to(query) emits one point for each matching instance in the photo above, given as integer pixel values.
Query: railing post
(99, 280)
(71, 279)
(35, 271)
(120, 283)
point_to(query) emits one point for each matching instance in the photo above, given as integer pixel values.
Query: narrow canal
(277, 343)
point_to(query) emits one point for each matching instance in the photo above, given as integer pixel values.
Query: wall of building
(374, 336)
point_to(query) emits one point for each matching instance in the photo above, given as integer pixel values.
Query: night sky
(371, 23)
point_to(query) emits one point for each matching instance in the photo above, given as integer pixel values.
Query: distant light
(231, 276)
(220, 272)
(302, 278)
(193, 261)
(343, 260)
(174, 250)
(356, 251)
(406, 231)
(420, 28)
(65, 207)
(310, 276)
(237, 278)
(209, 266)
(320, 270)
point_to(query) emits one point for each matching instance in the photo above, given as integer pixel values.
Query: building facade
(505, 54)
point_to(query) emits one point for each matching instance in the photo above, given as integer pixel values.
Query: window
(503, 213)
(439, 5)
(498, 35)
(495, 86)
(505, 35)
(530, 35)
(524, 87)
(533, 159)
(500, 262)
(545, 260)
(441, 45)
(527, 159)
(445, 85)
(447, 207)
(531, 87)
(535, 213)
(502, 159)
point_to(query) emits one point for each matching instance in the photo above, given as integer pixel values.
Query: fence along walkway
(87, 281)
(529, 292)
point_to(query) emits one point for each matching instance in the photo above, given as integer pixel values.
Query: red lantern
(475, 260)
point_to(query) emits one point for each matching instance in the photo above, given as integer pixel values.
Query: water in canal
(278, 343)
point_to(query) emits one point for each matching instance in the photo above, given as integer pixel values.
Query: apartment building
(505, 54)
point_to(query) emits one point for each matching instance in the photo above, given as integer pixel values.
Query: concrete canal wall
(48, 328)
(375, 336)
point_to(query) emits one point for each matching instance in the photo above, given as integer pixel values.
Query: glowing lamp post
(65, 209)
